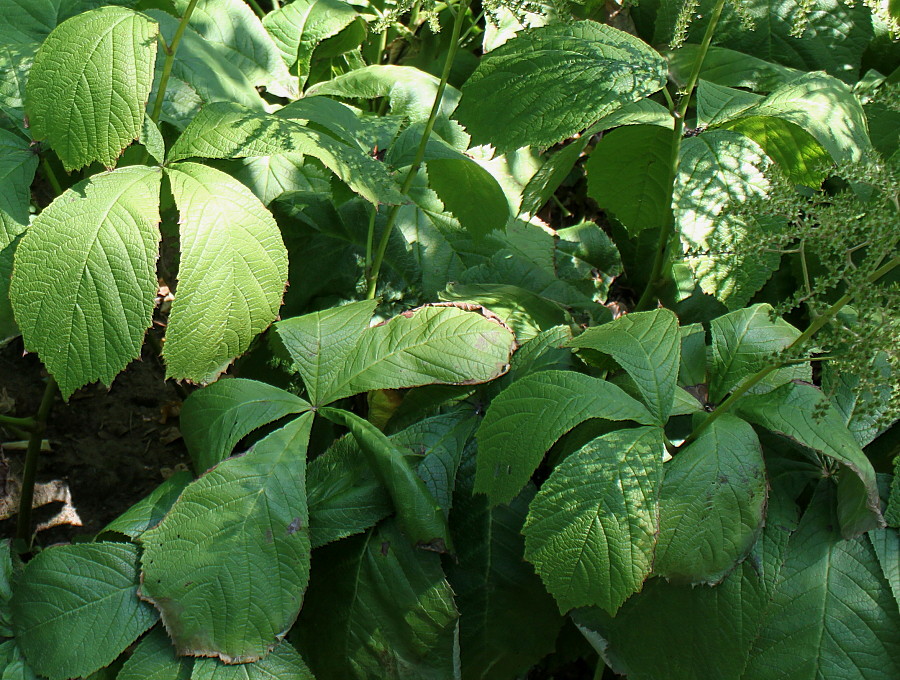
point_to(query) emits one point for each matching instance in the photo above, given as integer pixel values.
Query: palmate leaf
(282, 663)
(591, 529)
(228, 565)
(524, 421)
(711, 504)
(89, 85)
(17, 166)
(88, 587)
(549, 83)
(86, 276)
(378, 608)
(231, 276)
(154, 659)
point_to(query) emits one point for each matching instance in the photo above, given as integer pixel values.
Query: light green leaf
(271, 176)
(717, 104)
(712, 504)
(231, 275)
(234, 26)
(89, 85)
(794, 410)
(469, 192)
(17, 166)
(228, 565)
(228, 130)
(216, 418)
(86, 276)
(743, 342)
(832, 614)
(154, 659)
(592, 527)
(87, 587)
(524, 421)
(297, 28)
(418, 513)
(863, 413)
(731, 68)
(648, 347)
(599, 67)
(378, 608)
(628, 174)
(150, 510)
(717, 172)
(508, 622)
(152, 140)
(282, 663)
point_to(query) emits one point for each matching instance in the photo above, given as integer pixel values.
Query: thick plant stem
(372, 278)
(817, 325)
(665, 235)
(23, 523)
(171, 49)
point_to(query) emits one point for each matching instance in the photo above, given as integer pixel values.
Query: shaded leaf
(150, 510)
(282, 663)
(17, 167)
(469, 192)
(154, 659)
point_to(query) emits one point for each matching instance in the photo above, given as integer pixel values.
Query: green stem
(462, 10)
(817, 325)
(23, 523)
(659, 259)
(170, 60)
(599, 668)
(47, 169)
(260, 12)
(24, 423)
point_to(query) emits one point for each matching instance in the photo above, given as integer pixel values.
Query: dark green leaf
(154, 659)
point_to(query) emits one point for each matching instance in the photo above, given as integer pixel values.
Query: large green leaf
(233, 25)
(730, 68)
(89, 85)
(217, 417)
(378, 608)
(150, 510)
(469, 192)
(434, 344)
(231, 274)
(591, 529)
(508, 622)
(154, 659)
(91, 588)
(17, 166)
(229, 130)
(832, 613)
(795, 411)
(297, 28)
(282, 663)
(524, 421)
(743, 342)
(228, 565)
(712, 504)
(418, 513)
(583, 71)
(718, 172)
(648, 347)
(628, 174)
(85, 276)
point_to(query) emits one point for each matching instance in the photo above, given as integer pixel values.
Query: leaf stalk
(39, 426)
(170, 61)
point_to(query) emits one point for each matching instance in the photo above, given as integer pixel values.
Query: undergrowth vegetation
(531, 338)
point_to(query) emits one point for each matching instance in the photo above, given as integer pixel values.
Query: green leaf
(152, 140)
(87, 587)
(886, 543)
(832, 613)
(216, 418)
(717, 104)
(154, 659)
(743, 343)
(592, 527)
(551, 175)
(231, 275)
(8, 327)
(234, 26)
(508, 622)
(89, 85)
(712, 504)
(524, 421)
(794, 410)
(730, 68)
(13, 662)
(419, 515)
(433, 344)
(282, 663)
(600, 67)
(6, 580)
(228, 130)
(648, 347)
(628, 174)
(17, 166)
(271, 176)
(469, 192)
(719, 171)
(228, 565)
(86, 276)
(378, 608)
(297, 28)
(149, 511)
